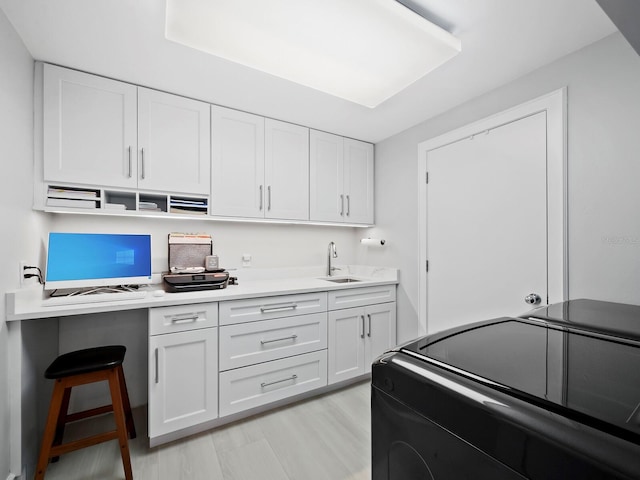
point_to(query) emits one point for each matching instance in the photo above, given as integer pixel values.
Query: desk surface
(30, 303)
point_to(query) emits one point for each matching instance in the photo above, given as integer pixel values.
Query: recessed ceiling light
(364, 51)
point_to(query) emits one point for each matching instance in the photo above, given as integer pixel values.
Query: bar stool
(79, 368)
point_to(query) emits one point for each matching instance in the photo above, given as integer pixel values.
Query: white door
(286, 170)
(183, 380)
(237, 163)
(381, 331)
(326, 199)
(486, 224)
(173, 143)
(346, 344)
(358, 181)
(89, 129)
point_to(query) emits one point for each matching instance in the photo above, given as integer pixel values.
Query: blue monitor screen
(96, 258)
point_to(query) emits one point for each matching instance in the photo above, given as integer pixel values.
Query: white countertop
(30, 303)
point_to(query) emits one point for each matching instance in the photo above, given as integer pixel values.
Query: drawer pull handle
(362, 334)
(369, 318)
(292, 337)
(266, 384)
(279, 308)
(192, 318)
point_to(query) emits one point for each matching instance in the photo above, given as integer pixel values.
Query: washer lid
(607, 317)
(585, 375)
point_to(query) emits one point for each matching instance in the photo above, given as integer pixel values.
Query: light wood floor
(324, 438)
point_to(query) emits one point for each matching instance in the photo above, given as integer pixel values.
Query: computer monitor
(80, 260)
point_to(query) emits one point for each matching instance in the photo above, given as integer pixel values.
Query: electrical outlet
(246, 259)
(22, 264)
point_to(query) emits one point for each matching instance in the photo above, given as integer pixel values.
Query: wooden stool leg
(131, 428)
(121, 424)
(62, 420)
(49, 429)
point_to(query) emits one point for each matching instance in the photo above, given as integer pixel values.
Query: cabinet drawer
(358, 297)
(182, 318)
(265, 308)
(250, 343)
(260, 384)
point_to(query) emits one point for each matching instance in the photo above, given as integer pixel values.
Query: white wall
(270, 245)
(603, 82)
(21, 227)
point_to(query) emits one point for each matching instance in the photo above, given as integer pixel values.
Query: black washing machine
(554, 394)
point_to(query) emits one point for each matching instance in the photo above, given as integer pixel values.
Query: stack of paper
(148, 207)
(188, 205)
(69, 197)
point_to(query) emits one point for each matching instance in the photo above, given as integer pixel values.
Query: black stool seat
(86, 361)
(82, 367)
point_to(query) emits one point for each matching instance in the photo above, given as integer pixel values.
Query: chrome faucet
(331, 253)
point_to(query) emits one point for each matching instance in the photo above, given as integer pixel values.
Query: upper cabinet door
(89, 129)
(173, 143)
(326, 195)
(286, 170)
(358, 181)
(237, 163)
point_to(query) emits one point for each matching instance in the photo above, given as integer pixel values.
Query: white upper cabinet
(173, 143)
(237, 163)
(89, 129)
(358, 181)
(341, 187)
(286, 170)
(105, 134)
(259, 167)
(326, 197)
(108, 133)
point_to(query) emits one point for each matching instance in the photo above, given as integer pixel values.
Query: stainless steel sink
(341, 280)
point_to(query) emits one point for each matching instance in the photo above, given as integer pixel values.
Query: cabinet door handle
(369, 318)
(348, 205)
(279, 308)
(142, 163)
(157, 368)
(130, 171)
(260, 197)
(292, 337)
(362, 334)
(266, 384)
(269, 197)
(341, 205)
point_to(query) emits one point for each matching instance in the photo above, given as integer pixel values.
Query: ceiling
(124, 39)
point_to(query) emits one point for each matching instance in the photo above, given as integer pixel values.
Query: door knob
(533, 299)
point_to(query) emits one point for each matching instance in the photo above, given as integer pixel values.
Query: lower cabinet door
(381, 331)
(256, 385)
(183, 373)
(346, 344)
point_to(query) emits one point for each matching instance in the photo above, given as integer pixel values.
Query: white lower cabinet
(256, 385)
(356, 337)
(183, 367)
(213, 360)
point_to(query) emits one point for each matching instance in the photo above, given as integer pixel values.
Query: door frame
(555, 106)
